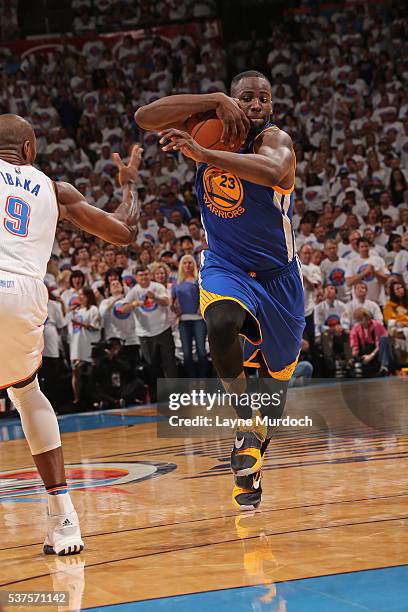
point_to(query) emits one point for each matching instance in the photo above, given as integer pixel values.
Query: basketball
(207, 132)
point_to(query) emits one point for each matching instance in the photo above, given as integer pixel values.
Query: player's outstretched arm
(119, 227)
(272, 165)
(173, 111)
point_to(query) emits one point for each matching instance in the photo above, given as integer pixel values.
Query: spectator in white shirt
(368, 268)
(150, 302)
(401, 261)
(305, 235)
(328, 312)
(312, 279)
(386, 231)
(120, 324)
(333, 336)
(402, 228)
(83, 330)
(176, 224)
(360, 300)
(49, 372)
(334, 270)
(353, 251)
(387, 207)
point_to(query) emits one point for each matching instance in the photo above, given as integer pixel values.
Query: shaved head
(14, 131)
(17, 136)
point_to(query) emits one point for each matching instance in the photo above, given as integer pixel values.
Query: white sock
(59, 504)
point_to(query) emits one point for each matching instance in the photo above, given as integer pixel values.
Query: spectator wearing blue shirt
(172, 202)
(186, 303)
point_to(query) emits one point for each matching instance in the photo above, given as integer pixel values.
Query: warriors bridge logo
(22, 485)
(223, 193)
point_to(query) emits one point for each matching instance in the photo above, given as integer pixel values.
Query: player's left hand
(177, 140)
(129, 173)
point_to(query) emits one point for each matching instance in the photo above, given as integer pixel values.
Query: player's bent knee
(25, 382)
(224, 320)
(38, 418)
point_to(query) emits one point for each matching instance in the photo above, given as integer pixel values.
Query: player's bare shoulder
(277, 145)
(275, 138)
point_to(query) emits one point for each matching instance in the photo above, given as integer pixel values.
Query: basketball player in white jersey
(30, 206)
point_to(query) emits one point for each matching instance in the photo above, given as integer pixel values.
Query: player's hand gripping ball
(177, 140)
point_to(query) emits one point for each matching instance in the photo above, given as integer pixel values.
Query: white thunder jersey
(28, 219)
(29, 211)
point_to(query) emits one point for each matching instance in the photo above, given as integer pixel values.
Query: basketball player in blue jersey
(250, 276)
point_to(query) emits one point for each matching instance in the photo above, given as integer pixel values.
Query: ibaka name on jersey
(25, 184)
(28, 219)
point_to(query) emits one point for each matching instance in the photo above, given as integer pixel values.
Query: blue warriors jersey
(247, 224)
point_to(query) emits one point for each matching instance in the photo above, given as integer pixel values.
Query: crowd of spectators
(9, 27)
(339, 84)
(111, 15)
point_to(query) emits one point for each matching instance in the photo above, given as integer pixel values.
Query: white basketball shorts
(23, 311)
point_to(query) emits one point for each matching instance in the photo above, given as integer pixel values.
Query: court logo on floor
(22, 485)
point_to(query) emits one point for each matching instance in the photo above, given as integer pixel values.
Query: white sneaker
(63, 535)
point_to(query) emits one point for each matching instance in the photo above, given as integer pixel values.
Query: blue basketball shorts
(274, 301)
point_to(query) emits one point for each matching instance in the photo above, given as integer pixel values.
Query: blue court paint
(375, 590)
(10, 429)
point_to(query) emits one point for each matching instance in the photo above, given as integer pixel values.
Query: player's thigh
(21, 331)
(282, 321)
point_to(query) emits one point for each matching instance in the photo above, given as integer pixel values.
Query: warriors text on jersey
(29, 215)
(247, 224)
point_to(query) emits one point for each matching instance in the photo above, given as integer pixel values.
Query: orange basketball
(207, 131)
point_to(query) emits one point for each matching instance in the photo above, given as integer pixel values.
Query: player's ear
(25, 150)
(28, 153)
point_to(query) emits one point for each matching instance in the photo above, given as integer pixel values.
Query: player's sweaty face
(254, 98)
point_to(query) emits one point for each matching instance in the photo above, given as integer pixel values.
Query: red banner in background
(49, 43)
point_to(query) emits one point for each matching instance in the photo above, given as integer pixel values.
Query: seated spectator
(186, 304)
(303, 371)
(396, 319)
(360, 300)
(333, 336)
(113, 382)
(370, 346)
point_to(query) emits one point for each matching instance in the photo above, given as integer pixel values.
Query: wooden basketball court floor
(162, 534)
